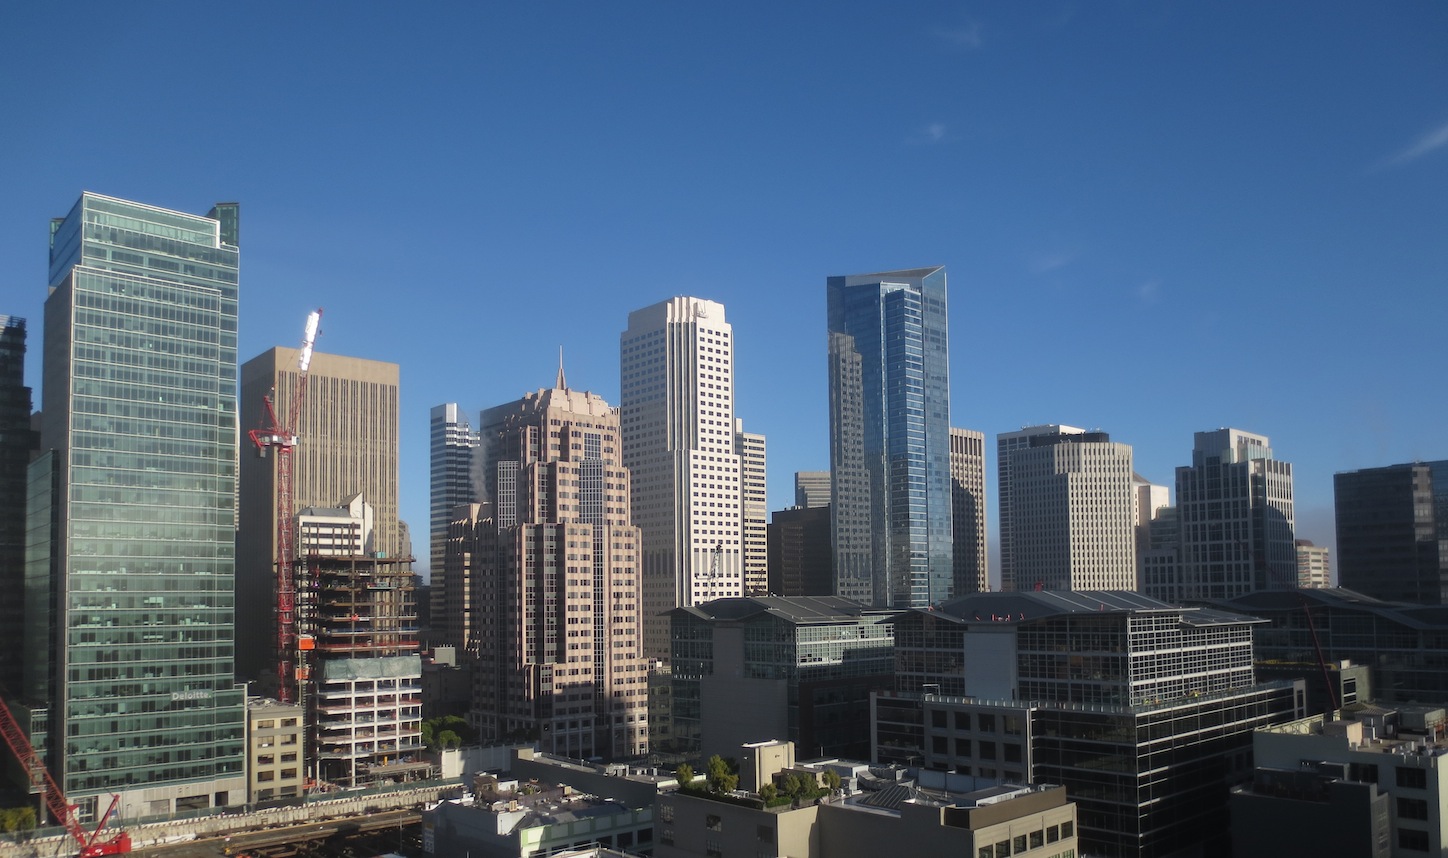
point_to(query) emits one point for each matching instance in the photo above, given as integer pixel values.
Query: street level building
(1398, 753)
(130, 575)
(678, 431)
(889, 376)
(867, 817)
(1392, 532)
(276, 759)
(1402, 643)
(796, 668)
(1144, 711)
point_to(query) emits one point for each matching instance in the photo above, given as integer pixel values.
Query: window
(1020, 843)
(1412, 778)
(666, 812)
(987, 723)
(1037, 839)
(1053, 833)
(1003, 849)
(1067, 828)
(1412, 808)
(986, 852)
(937, 718)
(1414, 840)
(766, 834)
(714, 823)
(1012, 753)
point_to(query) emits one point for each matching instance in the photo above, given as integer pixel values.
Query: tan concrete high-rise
(348, 433)
(755, 505)
(970, 564)
(554, 570)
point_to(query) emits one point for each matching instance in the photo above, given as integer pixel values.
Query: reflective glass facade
(140, 407)
(890, 437)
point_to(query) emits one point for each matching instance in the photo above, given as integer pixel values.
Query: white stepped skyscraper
(677, 408)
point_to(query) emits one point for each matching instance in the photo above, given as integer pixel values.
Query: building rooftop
(1421, 617)
(795, 609)
(1018, 606)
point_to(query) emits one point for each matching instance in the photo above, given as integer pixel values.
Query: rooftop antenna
(562, 382)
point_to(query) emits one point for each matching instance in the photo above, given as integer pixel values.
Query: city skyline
(1115, 187)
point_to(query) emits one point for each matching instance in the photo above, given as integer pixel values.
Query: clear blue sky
(1157, 218)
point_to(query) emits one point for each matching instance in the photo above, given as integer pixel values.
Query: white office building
(677, 409)
(1006, 445)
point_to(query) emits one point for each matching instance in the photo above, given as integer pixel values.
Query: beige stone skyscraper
(348, 445)
(967, 511)
(752, 491)
(555, 577)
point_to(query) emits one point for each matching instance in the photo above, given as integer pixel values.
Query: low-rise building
(522, 818)
(1401, 751)
(798, 668)
(274, 750)
(992, 821)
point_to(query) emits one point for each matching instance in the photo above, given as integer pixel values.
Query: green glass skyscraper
(134, 659)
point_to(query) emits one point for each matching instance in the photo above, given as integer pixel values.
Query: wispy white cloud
(1050, 260)
(1149, 291)
(930, 134)
(1425, 145)
(966, 35)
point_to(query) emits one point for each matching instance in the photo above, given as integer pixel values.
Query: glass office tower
(139, 407)
(890, 437)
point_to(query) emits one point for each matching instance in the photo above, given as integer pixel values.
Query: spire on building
(562, 382)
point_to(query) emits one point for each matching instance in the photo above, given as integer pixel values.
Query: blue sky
(1157, 218)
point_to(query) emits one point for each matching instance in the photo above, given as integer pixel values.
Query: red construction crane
(90, 842)
(283, 438)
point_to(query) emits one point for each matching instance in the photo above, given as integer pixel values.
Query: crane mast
(282, 437)
(90, 842)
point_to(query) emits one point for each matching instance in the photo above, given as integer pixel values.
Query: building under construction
(359, 674)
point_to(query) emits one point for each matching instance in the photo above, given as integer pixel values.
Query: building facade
(1234, 506)
(1314, 566)
(17, 443)
(811, 488)
(753, 492)
(677, 424)
(798, 668)
(275, 754)
(137, 502)
(971, 563)
(1144, 711)
(1006, 445)
(1074, 511)
(800, 559)
(1392, 532)
(348, 446)
(452, 444)
(556, 580)
(889, 375)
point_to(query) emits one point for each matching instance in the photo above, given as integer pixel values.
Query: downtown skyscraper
(133, 662)
(453, 445)
(1236, 518)
(1007, 443)
(889, 376)
(17, 442)
(678, 431)
(554, 565)
(348, 446)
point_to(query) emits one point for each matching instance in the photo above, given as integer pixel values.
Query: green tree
(721, 779)
(769, 792)
(449, 739)
(832, 779)
(685, 774)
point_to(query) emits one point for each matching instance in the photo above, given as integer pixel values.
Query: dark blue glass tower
(890, 437)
